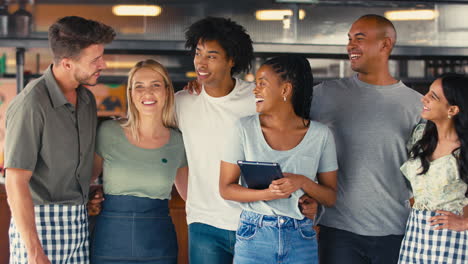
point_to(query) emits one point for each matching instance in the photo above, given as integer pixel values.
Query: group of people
(340, 145)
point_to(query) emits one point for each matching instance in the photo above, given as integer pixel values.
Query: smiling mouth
(149, 102)
(354, 56)
(258, 100)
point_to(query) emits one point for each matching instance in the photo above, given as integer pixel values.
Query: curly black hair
(296, 69)
(70, 35)
(231, 36)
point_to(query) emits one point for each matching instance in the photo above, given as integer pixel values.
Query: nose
(424, 98)
(102, 64)
(199, 60)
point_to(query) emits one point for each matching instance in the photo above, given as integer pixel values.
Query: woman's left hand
(287, 185)
(449, 220)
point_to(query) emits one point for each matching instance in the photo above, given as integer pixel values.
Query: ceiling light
(404, 15)
(277, 14)
(136, 10)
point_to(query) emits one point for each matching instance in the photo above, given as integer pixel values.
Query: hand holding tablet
(259, 175)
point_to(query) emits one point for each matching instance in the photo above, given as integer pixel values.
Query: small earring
(449, 117)
(284, 98)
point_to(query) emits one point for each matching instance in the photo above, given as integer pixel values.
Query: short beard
(85, 80)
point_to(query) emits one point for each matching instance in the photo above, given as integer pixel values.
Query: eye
(211, 57)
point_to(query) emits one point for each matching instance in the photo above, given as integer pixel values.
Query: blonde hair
(168, 112)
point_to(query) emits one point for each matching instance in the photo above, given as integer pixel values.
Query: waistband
(134, 204)
(273, 220)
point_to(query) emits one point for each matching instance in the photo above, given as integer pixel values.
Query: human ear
(453, 110)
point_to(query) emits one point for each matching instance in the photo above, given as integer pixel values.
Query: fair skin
(437, 109)
(69, 74)
(283, 130)
(148, 94)
(369, 47)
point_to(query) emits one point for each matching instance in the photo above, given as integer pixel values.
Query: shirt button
(281, 221)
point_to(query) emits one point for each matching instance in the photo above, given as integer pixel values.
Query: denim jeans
(275, 239)
(338, 246)
(208, 244)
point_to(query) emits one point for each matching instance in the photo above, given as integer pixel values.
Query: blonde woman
(140, 158)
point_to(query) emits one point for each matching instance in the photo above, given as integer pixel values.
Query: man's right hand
(94, 204)
(193, 87)
(308, 206)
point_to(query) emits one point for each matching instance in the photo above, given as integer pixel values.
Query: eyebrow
(155, 81)
(435, 95)
(358, 34)
(95, 59)
(210, 51)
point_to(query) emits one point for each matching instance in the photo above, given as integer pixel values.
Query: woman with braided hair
(271, 227)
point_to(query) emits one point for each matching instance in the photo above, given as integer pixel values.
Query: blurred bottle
(22, 20)
(4, 16)
(3, 64)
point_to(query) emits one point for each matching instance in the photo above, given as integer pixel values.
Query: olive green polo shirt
(54, 139)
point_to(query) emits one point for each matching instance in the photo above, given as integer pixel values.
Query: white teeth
(354, 56)
(257, 100)
(203, 73)
(149, 102)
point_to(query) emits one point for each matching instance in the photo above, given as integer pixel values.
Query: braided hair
(296, 70)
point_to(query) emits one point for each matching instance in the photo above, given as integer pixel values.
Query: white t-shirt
(205, 123)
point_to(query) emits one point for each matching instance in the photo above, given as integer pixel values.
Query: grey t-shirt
(371, 125)
(314, 154)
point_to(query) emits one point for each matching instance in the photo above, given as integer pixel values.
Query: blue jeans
(208, 244)
(275, 239)
(338, 246)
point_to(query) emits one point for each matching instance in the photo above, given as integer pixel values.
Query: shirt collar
(56, 95)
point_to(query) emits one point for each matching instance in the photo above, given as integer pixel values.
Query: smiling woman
(141, 157)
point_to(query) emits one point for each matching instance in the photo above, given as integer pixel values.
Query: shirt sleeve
(328, 160)
(102, 138)
(24, 127)
(315, 105)
(234, 145)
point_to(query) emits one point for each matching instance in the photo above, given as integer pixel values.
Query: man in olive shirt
(49, 148)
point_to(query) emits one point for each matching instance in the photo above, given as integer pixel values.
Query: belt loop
(296, 225)
(260, 220)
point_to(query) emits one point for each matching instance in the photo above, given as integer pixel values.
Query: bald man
(372, 116)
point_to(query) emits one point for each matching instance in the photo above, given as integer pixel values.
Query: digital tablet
(259, 175)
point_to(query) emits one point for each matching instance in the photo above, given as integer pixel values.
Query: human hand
(193, 87)
(38, 257)
(287, 185)
(308, 206)
(94, 204)
(449, 220)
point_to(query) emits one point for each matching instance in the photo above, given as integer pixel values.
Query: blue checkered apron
(423, 244)
(63, 232)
